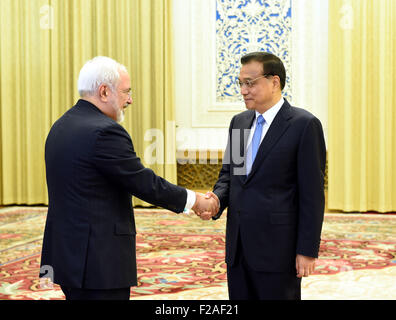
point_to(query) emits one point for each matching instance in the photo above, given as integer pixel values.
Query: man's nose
(244, 90)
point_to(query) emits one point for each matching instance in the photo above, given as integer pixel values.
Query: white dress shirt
(190, 200)
(268, 116)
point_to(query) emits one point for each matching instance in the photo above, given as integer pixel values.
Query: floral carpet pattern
(182, 257)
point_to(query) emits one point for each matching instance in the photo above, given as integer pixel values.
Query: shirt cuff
(190, 200)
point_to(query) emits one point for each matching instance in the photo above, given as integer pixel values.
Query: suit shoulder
(301, 114)
(86, 123)
(243, 116)
(98, 121)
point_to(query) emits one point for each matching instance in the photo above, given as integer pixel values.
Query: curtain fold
(44, 44)
(24, 100)
(153, 108)
(362, 118)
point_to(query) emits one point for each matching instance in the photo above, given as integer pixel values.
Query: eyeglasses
(250, 83)
(128, 92)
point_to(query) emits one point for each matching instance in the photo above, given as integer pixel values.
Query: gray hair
(100, 70)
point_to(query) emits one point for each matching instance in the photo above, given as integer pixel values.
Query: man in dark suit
(272, 181)
(92, 171)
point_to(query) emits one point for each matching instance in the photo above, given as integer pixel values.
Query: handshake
(206, 205)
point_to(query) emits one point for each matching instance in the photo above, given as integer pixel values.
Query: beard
(120, 116)
(120, 113)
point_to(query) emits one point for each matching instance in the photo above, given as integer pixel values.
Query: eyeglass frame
(250, 83)
(128, 92)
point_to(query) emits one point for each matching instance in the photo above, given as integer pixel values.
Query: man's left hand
(304, 265)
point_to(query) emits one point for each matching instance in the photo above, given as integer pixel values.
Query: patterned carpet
(182, 257)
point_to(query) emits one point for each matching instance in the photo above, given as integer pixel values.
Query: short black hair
(272, 65)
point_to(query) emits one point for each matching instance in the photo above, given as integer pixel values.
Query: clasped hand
(206, 205)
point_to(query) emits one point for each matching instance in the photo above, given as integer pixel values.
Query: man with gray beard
(92, 173)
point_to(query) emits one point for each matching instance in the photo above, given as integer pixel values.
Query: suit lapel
(246, 125)
(243, 128)
(278, 127)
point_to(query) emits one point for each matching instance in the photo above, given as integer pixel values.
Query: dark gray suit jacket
(92, 172)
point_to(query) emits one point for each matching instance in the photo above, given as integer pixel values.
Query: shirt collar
(270, 114)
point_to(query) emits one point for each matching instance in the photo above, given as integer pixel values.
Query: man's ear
(277, 81)
(103, 92)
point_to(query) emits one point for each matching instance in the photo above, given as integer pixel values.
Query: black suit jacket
(92, 171)
(277, 210)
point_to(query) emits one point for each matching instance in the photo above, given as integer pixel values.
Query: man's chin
(121, 116)
(249, 105)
